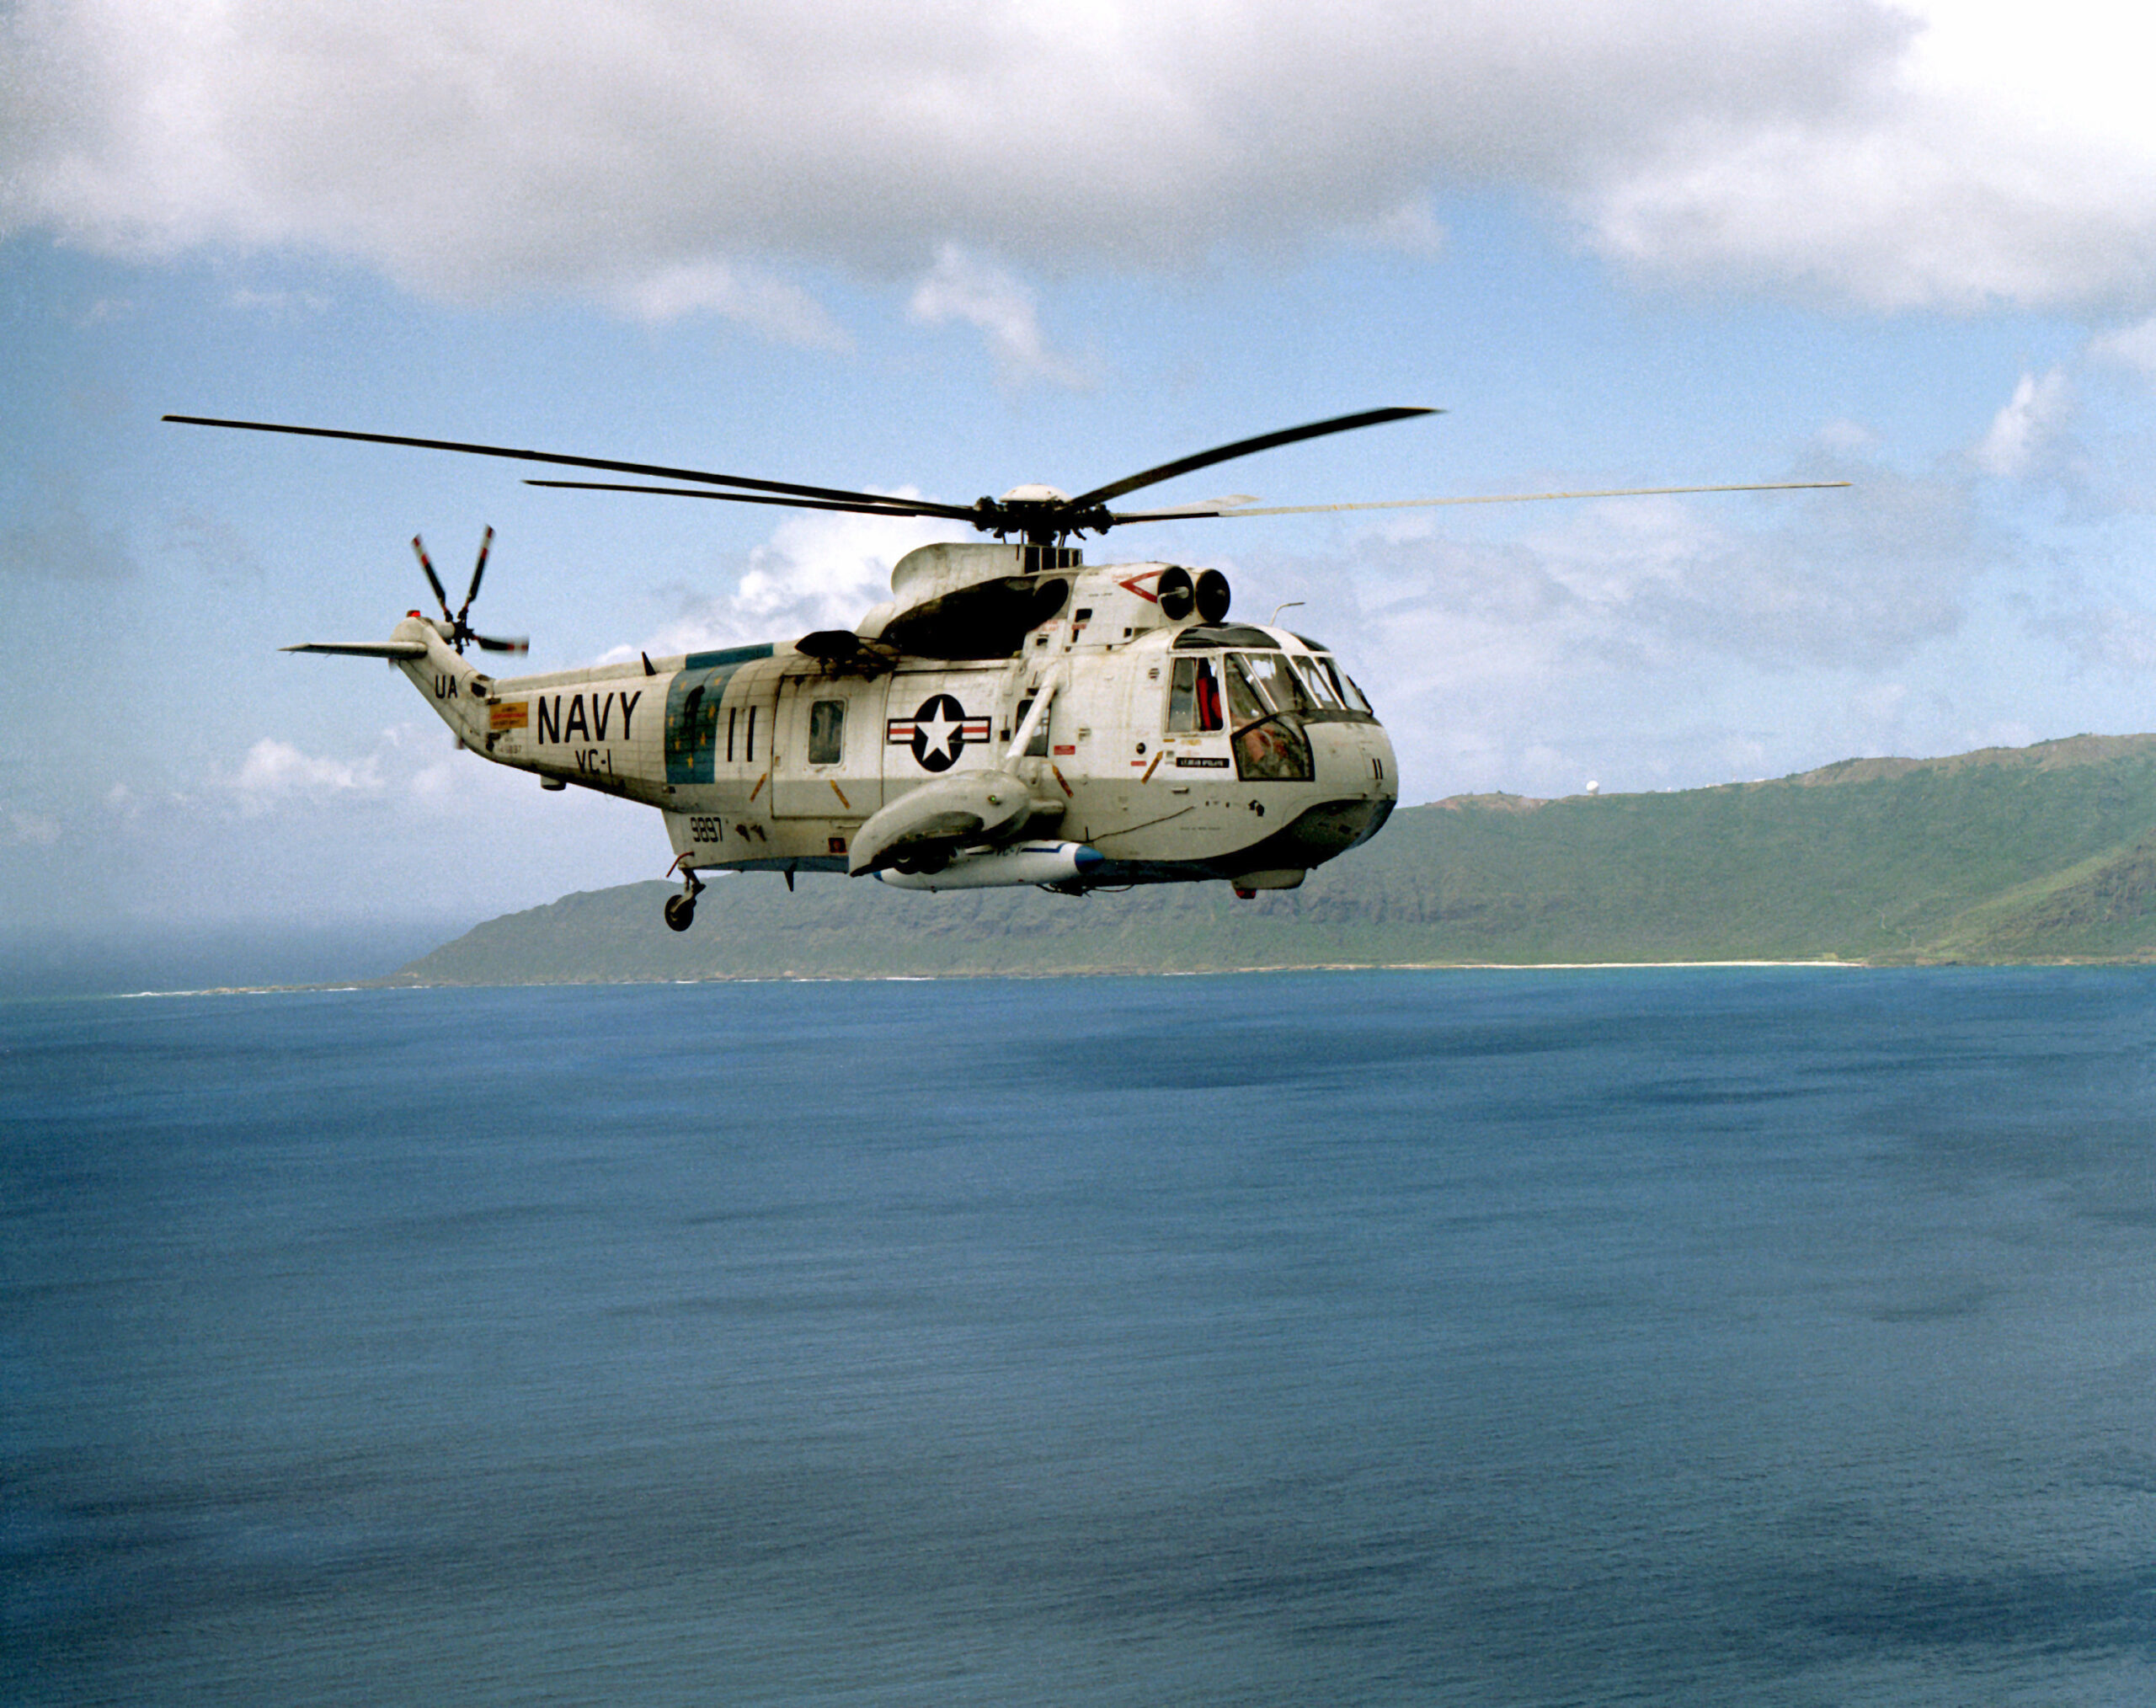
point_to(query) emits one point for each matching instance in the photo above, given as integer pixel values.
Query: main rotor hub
(1041, 515)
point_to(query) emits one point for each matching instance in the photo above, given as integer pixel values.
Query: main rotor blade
(1522, 498)
(872, 505)
(1175, 513)
(1242, 447)
(479, 569)
(441, 596)
(650, 469)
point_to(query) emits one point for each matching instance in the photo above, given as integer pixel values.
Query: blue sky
(947, 253)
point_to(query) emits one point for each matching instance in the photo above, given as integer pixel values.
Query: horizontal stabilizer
(364, 649)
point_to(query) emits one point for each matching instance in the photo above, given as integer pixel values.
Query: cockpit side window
(1194, 697)
(1267, 743)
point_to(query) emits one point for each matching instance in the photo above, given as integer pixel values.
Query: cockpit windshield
(1245, 704)
(1207, 691)
(1275, 681)
(1319, 681)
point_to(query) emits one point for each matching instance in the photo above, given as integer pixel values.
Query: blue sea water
(1780, 1337)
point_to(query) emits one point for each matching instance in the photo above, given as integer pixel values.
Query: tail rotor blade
(486, 545)
(441, 598)
(461, 635)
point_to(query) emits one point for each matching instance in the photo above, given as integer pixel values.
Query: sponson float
(1012, 715)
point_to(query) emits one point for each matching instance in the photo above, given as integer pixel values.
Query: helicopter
(1011, 715)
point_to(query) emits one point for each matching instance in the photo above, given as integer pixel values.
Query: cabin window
(731, 716)
(750, 756)
(826, 732)
(1194, 697)
(1037, 747)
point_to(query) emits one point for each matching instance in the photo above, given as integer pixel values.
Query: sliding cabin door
(827, 761)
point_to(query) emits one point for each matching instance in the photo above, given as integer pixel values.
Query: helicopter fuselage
(1167, 748)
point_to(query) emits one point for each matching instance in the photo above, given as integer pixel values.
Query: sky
(943, 250)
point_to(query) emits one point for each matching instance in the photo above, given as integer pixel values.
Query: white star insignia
(936, 733)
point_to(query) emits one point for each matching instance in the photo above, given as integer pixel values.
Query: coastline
(395, 983)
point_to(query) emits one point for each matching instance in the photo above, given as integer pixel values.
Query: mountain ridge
(2042, 853)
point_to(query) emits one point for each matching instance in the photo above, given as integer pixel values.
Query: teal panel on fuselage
(692, 710)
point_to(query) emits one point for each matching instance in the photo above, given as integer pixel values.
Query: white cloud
(964, 287)
(275, 771)
(2025, 425)
(2133, 346)
(667, 155)
(1863, 575)
(1412, 228)
(782, 311)
(1614, 632)
(411, 767)
(822, 569)
(2006, 153)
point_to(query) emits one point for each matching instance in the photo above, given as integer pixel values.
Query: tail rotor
(460, 630)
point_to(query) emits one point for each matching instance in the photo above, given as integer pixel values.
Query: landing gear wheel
(681, 910)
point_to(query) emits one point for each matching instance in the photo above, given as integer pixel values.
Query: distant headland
(2009, 854)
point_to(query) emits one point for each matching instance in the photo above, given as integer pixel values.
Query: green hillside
(2039, 853)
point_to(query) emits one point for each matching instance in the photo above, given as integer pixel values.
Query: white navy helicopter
(1012, 715)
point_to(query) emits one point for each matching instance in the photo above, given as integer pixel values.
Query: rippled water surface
(1761, 1336)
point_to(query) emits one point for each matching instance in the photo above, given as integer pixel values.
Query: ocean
(1690, 1336)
